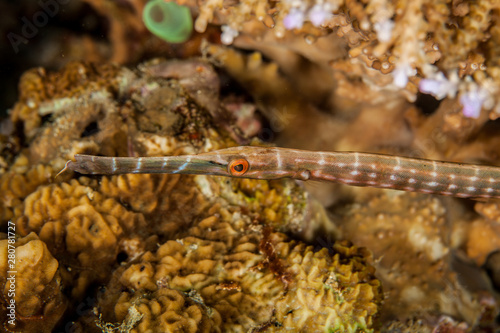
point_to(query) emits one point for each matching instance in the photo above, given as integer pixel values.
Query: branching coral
(449, 46)
(124, 24)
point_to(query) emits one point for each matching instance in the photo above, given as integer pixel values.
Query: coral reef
(229, 277)
(447, 49)
(156, 252)
(484, 233)
(418, 258)
(414, 252)
(414, 236)
(444, 49)
(36, 283)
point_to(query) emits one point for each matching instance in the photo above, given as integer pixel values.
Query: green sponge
(168, 20)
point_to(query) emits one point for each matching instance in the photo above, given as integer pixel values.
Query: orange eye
(238, 167)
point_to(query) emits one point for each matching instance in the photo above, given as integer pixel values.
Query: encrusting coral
(417, 256)
(37, 285)
(159, 251)
(230, 276)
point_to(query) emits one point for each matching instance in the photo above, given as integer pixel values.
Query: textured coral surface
(224, 277)
(140, 252)
(445, 48)
(39, 301)
(146, 253)
(428, 250)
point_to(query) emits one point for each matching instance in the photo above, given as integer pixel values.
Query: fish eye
(238, 167)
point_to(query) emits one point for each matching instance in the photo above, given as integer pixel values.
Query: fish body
(351, 168)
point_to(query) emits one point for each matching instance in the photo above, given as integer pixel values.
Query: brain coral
(230, 276)
(159, 252)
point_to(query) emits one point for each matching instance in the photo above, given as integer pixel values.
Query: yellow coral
(167, 310)
(248, 280)
(172, 250)
(336, 293)
(37, 291)
(38, 86)
(414, 251)
(15, 186)
(75, 219)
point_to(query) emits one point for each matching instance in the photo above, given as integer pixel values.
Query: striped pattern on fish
(352, 168)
